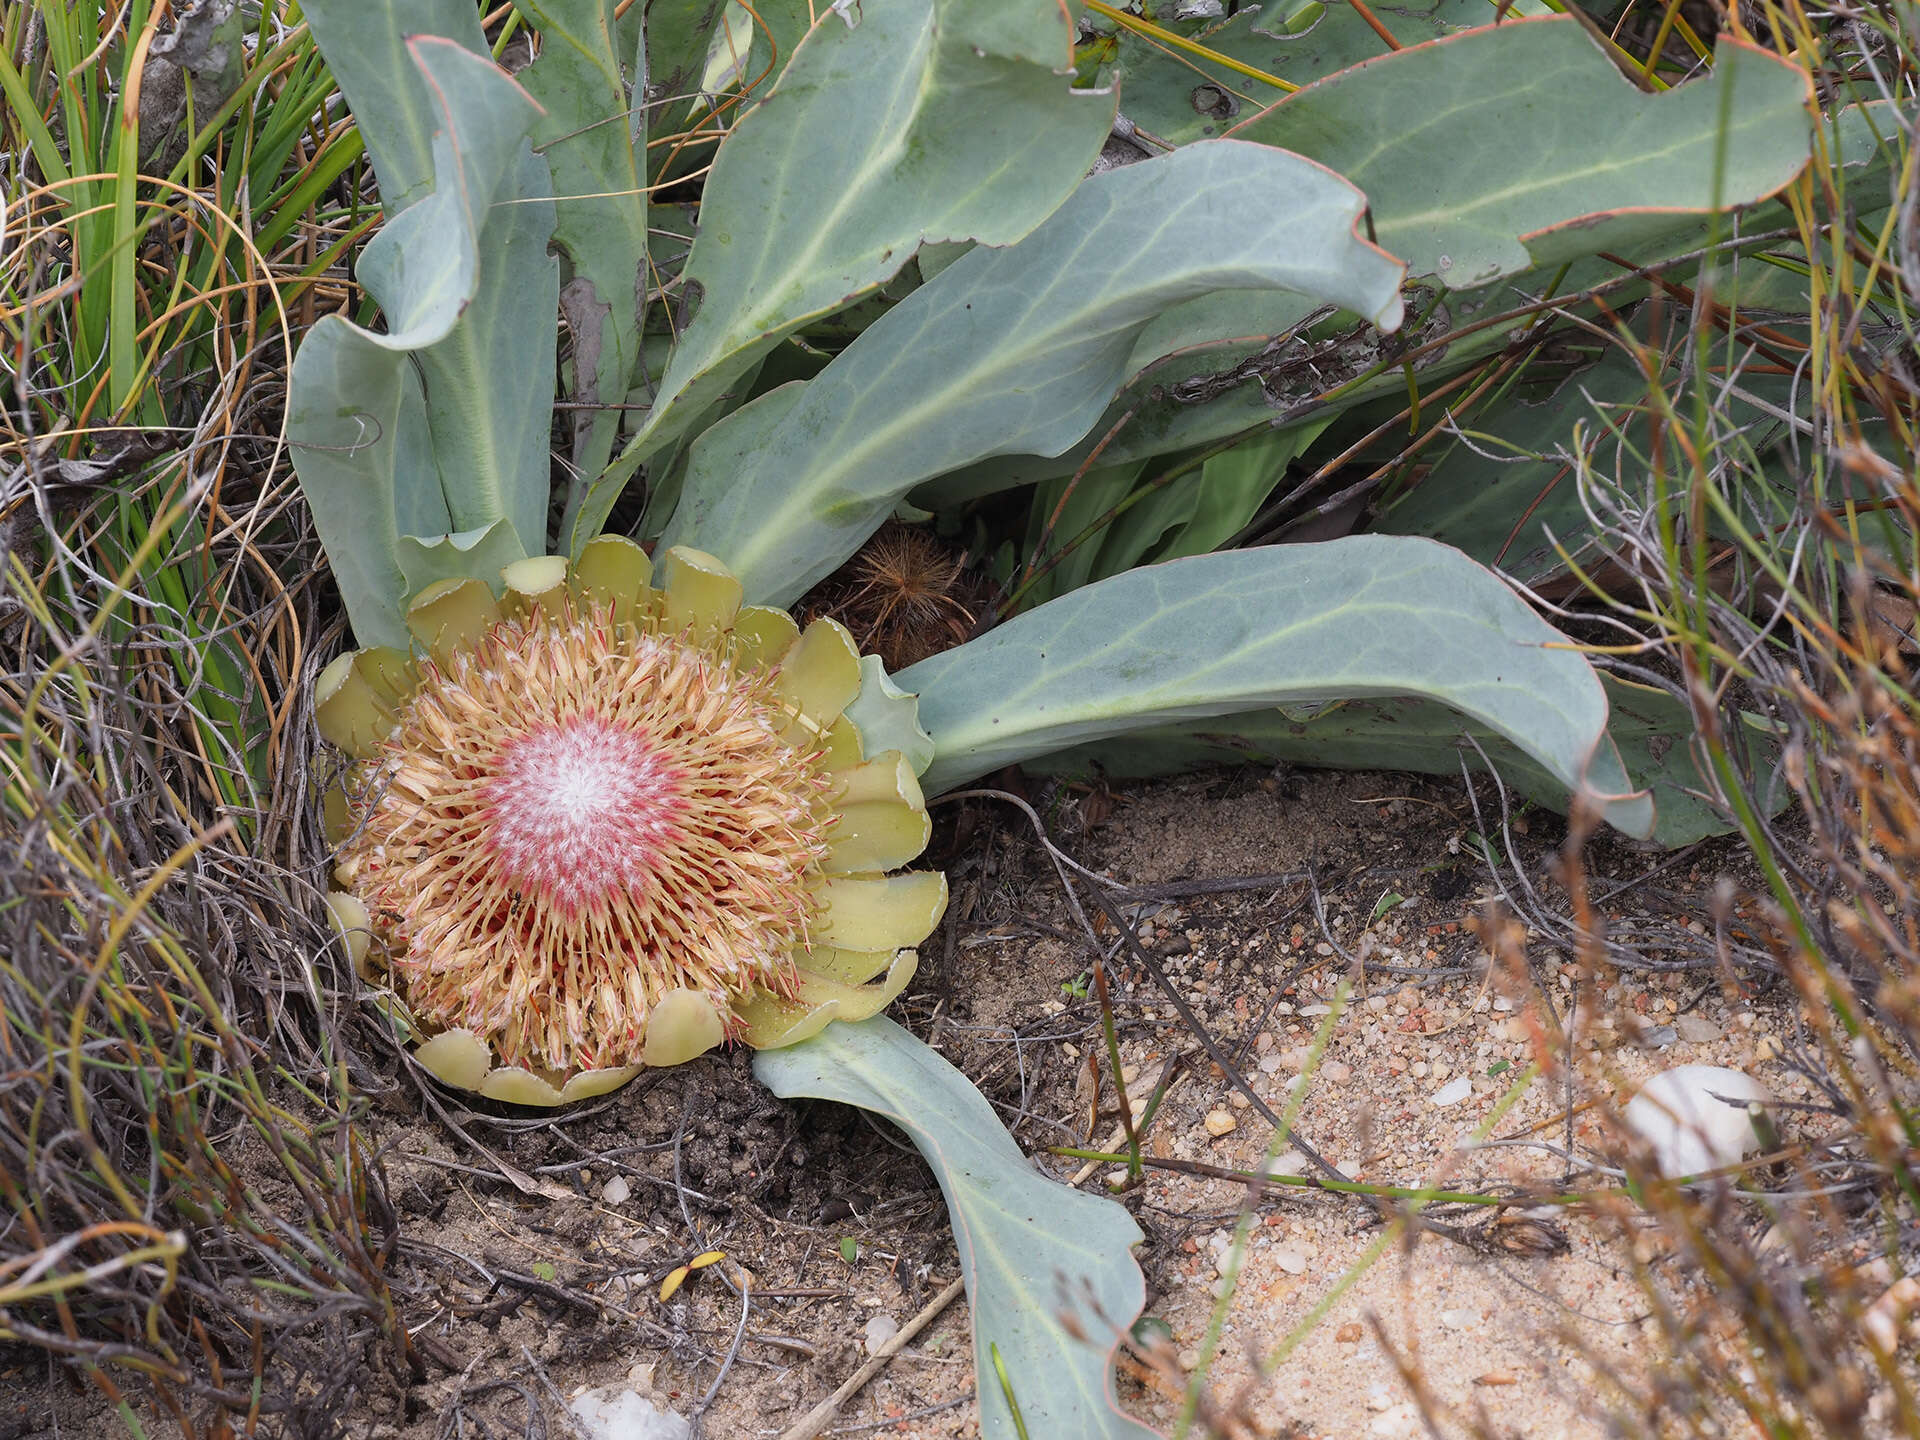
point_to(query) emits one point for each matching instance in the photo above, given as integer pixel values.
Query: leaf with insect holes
(600, 215)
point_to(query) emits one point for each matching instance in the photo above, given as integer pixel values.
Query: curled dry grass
(192, 1219)
(1766, 575)
(190, 1202)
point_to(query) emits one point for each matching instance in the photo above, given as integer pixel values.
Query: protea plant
(596, 825)
(593, 824)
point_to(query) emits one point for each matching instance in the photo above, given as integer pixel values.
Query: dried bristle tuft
(568, 798)
(906, 595)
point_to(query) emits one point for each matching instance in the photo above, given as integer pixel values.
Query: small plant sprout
(596, 825)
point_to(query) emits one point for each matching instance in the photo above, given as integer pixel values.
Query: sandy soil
(516, 1299)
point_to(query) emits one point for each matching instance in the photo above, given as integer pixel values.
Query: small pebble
(1221, 1122)
(880, 1329)
(1290, 1260)
(1337, 1072)
(1349, 1333)
(1453, 1092)
(623, 1415)
(616, 1191)
(1697, 1029)
(1403, 1420)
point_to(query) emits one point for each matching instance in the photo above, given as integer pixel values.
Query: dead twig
(810, 1425)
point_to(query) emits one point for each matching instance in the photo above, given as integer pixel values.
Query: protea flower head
(593, 825)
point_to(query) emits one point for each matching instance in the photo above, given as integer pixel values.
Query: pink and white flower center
(581, 810)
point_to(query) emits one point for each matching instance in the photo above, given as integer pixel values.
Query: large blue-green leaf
(1031, 1250)
(1295, 625)
(357, 424)
(1158, 519)
(431, 426)
(1512, 192)
(490, 382)
(422, 267)
(592, 135)
(364, 42)
(463, 277)
(1493, 150)
(1651, 729)
(1016, 351)
(1217, 364)
(1509, 495)
(891, 126)
(1180, 97)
